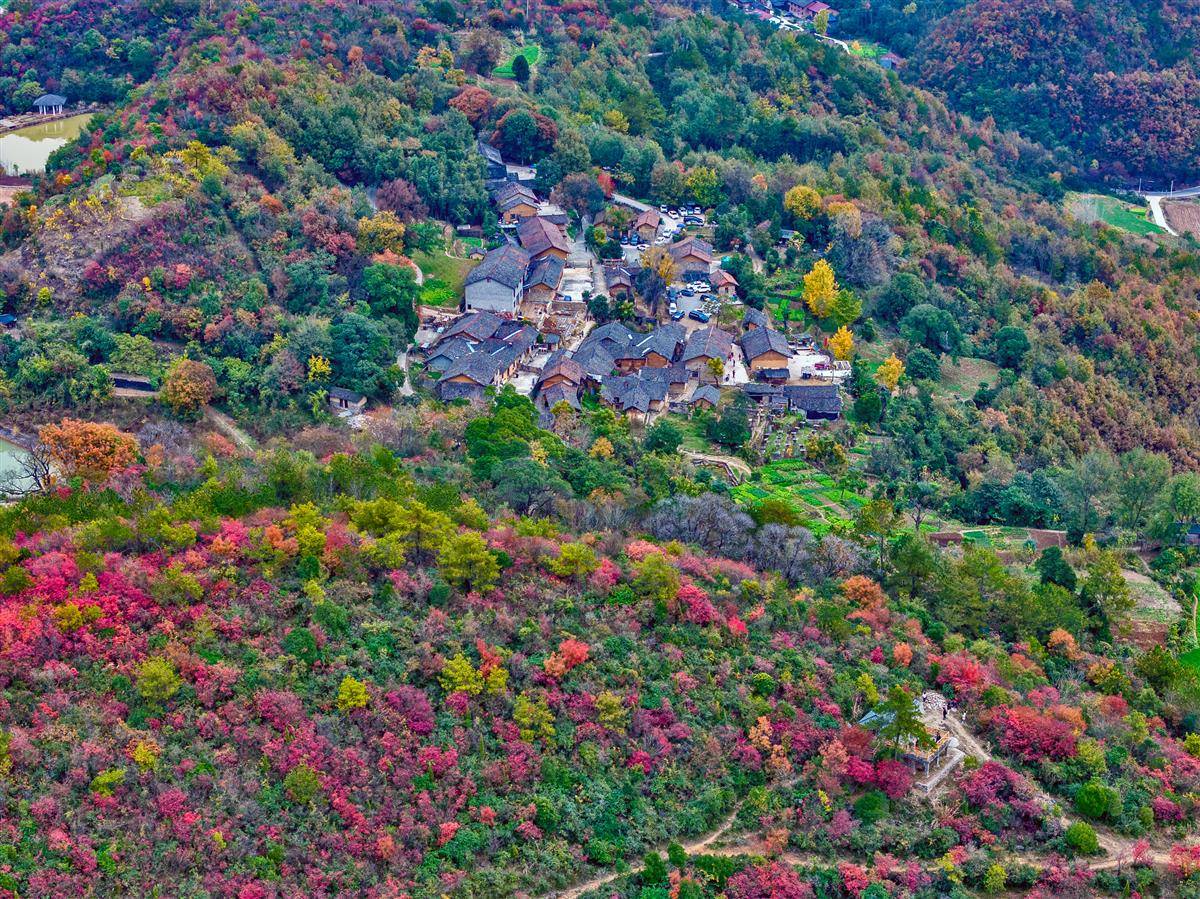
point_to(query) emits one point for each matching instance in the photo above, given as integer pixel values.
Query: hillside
(606, 448)
(271, 676)
(1116, 84)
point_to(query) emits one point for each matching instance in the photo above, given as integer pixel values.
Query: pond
(10, 467)
(25, 151)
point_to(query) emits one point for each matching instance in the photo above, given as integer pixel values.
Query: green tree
(875, 522)
(902, 725)
(392, 290)
(466, 562)
(1142, 476)
(1054, 568)
(1011, 346)
(663, 437)
(520, 67)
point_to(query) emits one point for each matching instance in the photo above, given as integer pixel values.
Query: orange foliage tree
(189, 385)
(88, 449)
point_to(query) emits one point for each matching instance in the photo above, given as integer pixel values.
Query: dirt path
(229, 428)
(728, 461)
(700, 845)
(1118, 850)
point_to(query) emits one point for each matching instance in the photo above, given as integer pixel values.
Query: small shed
(346, 402)
(50, 104)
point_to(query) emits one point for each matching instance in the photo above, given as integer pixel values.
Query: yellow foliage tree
(802, 201)
(820, 287)
(842, 344)
(658, 259)
(889, 373)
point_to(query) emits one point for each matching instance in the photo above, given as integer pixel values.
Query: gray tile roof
(665, 340)
(505, 265)
(448, 351)
(490, 153)
(821, 399)
(706, 393)
(559, 393)
(632, 392)
(595, 359)
(708, 343)
(546, 272)
(760, 341)
(757, 317)
(512, 192)
(475, 326)
(560, 364)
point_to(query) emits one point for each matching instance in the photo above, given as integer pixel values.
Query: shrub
(871, 807)
(1095, 800)
(302, 784)
(107, 781)
(1081, 838)
(157, 680)
(995, 879)
(352, 694)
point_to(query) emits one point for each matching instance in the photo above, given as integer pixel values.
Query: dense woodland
(1115, 84)
(460, 654)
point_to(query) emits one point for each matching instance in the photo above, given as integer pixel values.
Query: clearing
(444, 278)
(531, 52)
(1092, 208)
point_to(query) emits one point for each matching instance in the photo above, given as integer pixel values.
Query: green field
(1191, 659)
(812, 493)
(1117, 213)
(531, 52)
(866, 49)
(444, 278)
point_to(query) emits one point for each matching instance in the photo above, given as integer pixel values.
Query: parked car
(693, 220)
(663, 209)
(673, 213)
(673, 306)
(699, 316)
(677, 315)
(687, 292)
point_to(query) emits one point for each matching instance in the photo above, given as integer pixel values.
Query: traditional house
(755, 318)
(724, 284)
(497, 284)
(820, 402)
(446, 352)
(496, 169)
(345, 402)
(475, 327)
(540, 237)
(706, 397)
(613, 337)
(702, 347)
(493, 362)
(620, 282)
(561, 369)
(691, 255)
(765, 348)
(646, 225)
(515, 202)
(657, 349)
(813, 9)
(544, 279)
(50, 104)
(891, 61)
(637, 397)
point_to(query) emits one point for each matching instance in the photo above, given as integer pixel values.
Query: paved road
(1155, 202)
